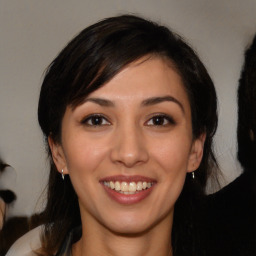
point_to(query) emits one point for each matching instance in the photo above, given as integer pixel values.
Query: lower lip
(130, 198)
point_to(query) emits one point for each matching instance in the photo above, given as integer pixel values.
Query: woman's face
(128, 148)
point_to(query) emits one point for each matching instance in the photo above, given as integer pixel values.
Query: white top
(26, 244)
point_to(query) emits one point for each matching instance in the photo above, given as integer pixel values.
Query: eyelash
(89, 120)
(165, 120)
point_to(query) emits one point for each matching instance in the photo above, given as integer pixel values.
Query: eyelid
(90, 116)
(169, 119)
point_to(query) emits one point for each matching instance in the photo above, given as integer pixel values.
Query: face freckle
(136, 129)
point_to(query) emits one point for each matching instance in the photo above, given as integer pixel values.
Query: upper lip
(135, 178)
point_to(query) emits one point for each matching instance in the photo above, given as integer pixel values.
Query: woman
(128, 112)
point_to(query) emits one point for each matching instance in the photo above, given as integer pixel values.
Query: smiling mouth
(128, 188)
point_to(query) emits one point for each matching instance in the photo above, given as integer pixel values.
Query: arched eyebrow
(146, 102)
(157, 100)
(101, 102)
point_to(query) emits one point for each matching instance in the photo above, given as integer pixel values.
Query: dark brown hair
(246, 129)
(89, 61)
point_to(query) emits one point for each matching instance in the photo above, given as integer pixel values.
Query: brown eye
(160, 120)
(96, 120)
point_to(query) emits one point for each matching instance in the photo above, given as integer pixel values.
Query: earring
(62, 174)
(193, 175)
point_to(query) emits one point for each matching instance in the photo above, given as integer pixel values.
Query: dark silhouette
(231, 212)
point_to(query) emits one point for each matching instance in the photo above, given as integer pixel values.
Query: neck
(94, 241)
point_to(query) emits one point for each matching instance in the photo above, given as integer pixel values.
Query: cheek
(172, 154)
(83, 161)
(170, 158)
(84, 156)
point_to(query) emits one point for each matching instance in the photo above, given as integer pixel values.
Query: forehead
(144, 78)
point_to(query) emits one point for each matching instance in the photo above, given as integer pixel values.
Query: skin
(129, 140)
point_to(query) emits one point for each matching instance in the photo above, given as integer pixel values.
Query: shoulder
(26, 245)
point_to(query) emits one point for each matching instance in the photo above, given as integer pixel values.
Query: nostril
(129, 159)
(128, 147)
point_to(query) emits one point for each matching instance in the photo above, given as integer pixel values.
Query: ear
(58, 155)
(196, 153)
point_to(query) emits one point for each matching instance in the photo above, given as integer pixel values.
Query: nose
(129, 147)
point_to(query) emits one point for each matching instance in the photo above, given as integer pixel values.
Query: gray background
(32, 32)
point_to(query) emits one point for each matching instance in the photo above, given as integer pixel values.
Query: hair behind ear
(196, 154)
(57, 155)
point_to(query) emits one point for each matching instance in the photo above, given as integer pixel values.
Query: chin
(132, 224)
(131, 229)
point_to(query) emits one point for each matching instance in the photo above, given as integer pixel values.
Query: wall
(34, 31)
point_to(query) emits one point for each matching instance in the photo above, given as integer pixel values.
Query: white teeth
(112, 184)
(139, 186)
(132, 187)
(126, 187)
(117, 186)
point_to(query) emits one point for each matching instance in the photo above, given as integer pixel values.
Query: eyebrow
(101, 102)
(157, 100)
(146, 102)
